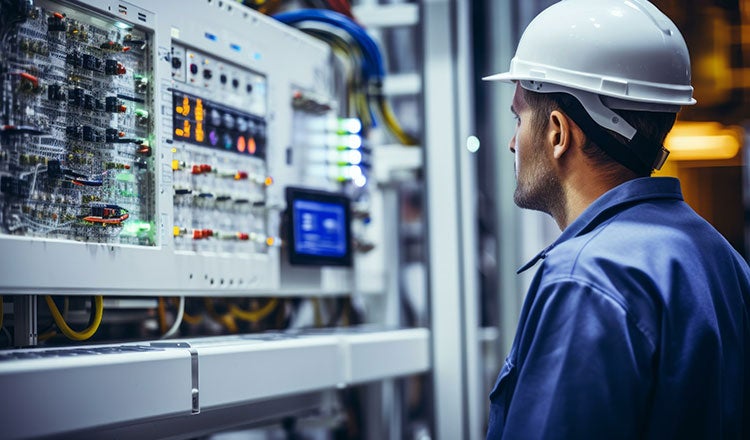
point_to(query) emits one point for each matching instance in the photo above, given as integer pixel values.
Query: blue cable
(372, 67)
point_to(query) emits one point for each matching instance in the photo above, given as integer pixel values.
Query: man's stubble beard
(540, 188)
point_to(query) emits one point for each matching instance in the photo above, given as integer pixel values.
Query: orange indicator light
(200, 135)
(198, 110)
(185, 106)
(241, 144)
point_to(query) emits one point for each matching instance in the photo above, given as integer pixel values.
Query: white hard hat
(621, 54)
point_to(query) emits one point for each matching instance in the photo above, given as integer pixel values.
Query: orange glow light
(241, 144)
(198, 110)
(185, 106)
(251, 148)
(200, 135)
(703, 141)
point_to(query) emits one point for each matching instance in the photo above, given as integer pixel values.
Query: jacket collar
(610, 203)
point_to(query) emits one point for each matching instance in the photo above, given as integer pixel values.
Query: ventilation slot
(142, 17)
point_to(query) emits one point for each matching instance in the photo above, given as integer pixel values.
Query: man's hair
(654, 126)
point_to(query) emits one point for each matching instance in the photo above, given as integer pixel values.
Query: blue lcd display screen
(319, 227)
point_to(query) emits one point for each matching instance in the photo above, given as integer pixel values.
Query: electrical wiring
(365, 84)
(342, 7)
(190, 319)
(2, 312)
(161, 311)
(357, 99)
(254, 315)
(372, 66)
(177, 321)
(97, 313)
(269, 7)
(50, 331)
(318, 316)
(392, 123)
(227, 320)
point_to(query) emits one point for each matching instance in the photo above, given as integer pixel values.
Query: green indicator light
(136, 229)
(125, 177)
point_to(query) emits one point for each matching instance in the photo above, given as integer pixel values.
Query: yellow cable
(318, 317)
(253, 315)
(162, 312)
(226, 320)
(192, 320)
(393, 124)
(51, 333)
(98, 311)
(47, 335)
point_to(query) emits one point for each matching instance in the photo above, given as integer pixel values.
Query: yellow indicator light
(268, 181)
(198, 110)
(174, 150)
(270, 241)
(176, 231)
(179, 132)
(200, 135)
(175, 165)
(186, 128)
(185, 109)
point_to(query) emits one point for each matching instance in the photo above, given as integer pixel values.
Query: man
(637, 323)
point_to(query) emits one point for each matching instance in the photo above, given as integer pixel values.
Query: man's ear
(560, 133)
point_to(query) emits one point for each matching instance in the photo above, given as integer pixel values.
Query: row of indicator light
(335, 156)
(223, 197)
(198, 169)
(217, 117)
(242, 143)
(204, 234)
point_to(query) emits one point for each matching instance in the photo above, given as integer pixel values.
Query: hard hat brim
(504, 77)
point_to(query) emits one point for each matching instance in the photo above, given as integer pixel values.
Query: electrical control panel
(76, 160)
(146, 147)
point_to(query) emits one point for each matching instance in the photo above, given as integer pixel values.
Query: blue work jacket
(636, 325)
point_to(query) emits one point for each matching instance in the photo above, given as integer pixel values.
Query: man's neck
(581, 190)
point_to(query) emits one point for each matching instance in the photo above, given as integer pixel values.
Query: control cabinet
(146, 148)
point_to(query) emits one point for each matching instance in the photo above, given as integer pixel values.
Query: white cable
(177, 321)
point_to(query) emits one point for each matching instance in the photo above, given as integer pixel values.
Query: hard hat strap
(638, 154)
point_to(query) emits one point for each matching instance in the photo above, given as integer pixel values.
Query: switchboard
(76, 160)
(146, 148)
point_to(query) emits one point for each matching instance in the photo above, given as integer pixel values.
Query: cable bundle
(366, 81)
